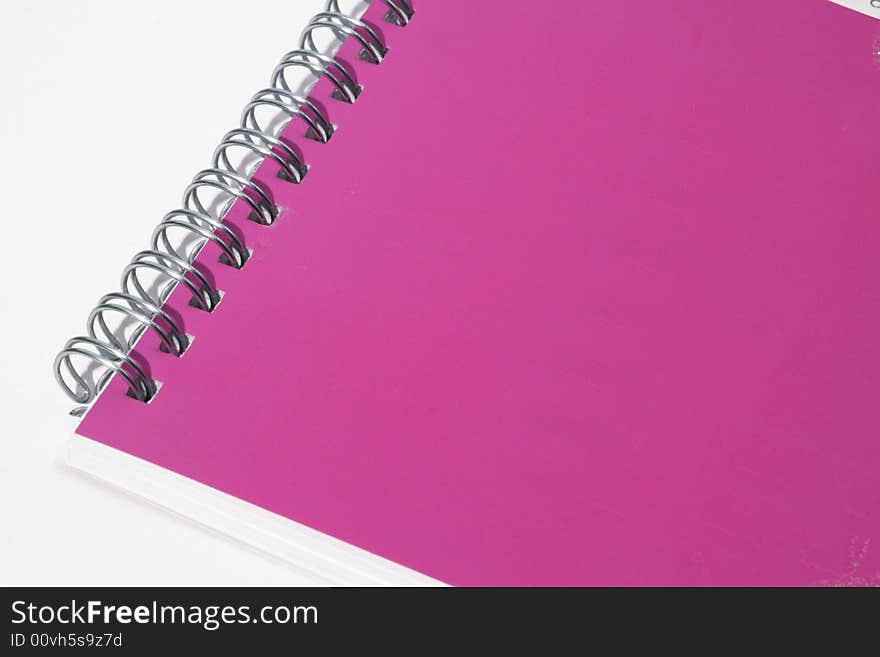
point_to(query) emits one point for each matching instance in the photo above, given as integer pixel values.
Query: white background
(869, 7)
(108, 110)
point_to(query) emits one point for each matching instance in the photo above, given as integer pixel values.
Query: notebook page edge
(337, 562)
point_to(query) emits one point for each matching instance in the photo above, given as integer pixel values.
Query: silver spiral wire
(399, 11)
(319, 126)
(86, 363)
(344, 27)
(346, 88)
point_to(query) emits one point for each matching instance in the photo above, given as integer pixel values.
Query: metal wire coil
(86, 363)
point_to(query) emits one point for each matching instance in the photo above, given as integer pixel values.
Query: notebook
(580, 293)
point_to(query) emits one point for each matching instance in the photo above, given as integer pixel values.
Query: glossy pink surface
(579, 293)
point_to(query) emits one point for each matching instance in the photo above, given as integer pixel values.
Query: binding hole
(286, 177)
(199, 304)
(259, 219)
(187, 343)
(314, 135)
(336, 94)
(366, 56)
(224, 259)
(155, 386)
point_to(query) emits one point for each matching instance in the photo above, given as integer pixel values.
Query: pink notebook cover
(578, 293)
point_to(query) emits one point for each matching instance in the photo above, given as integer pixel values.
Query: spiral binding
(103, 351)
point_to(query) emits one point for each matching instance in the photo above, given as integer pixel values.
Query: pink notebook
(578, 293)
